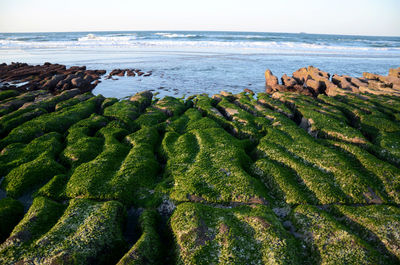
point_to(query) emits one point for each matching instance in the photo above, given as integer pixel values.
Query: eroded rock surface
(313, 81)
(229, 179)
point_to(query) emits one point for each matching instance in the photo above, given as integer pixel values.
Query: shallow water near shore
(187, 63)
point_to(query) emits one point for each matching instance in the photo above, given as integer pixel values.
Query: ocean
(184, 63)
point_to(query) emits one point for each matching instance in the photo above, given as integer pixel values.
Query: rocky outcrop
(51, 77)
(128, 72)
(312, 81)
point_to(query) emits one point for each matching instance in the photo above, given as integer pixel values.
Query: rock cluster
(128, 72)
(51, 77)
(313, 81)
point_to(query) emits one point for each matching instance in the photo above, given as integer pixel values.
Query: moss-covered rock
(11, 212)
(86, 232)
(378, 224)
(26, 173)
(8, 94)
(331, 242)
(147, 250)
(91, 179)
(52, 122)
(241, 235)
(208, 164)
(82, 143)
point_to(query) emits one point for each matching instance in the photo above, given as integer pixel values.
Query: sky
(353, 17)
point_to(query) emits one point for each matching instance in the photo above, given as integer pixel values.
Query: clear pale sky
(360, 17)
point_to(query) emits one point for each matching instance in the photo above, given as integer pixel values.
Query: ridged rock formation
(312, 81)
(228, 179)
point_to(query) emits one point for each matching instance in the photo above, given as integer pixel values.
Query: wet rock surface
(298, 176)
(128, 72)
(51, 77)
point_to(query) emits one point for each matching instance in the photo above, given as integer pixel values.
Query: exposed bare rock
(128, 72)
(271, 81)
(247, 90)
(51, 77)
(344, 82)
(314, 85)
(395, 72)
(313, 81)
(288, 81)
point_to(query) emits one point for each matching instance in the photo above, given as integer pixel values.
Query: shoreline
(310, 81)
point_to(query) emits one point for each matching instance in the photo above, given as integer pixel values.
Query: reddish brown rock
(121, 73)
(301, 75)
(315, 85)
(50, 77)
(270, 79)
(249, 91)
(288, 81)
(395, 72)
(130, 72)
(344, 82)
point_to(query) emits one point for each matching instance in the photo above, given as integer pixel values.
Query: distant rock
(271, 80)
(51, 77)
(313, 81)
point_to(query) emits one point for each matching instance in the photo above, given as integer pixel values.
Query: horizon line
(162, 30)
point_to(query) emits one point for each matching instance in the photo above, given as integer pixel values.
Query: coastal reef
(298, 174)
(312, 81)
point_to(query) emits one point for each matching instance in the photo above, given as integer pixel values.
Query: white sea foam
(91, 38)
(132, 41)
(175, 35)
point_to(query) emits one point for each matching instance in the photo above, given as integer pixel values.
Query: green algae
(41, 216)
(209, 164)
(331, 242)
(82, 144)
(54, 188)
(124, 111)
(53, 122)
(89, 180)
(5, 94)
(14, 119)
(387, 173)
(379, 224)
(276, 105)
(318, 183)
(241, 235)
(86, 231)
(283, 184)
(17, 154)
(147, 250)
(73, 101)
(136, 178)
(219, 161)
(32, 168)
(11, 212)
(302, 145)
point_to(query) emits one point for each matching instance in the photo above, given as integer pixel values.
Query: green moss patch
(331, 242)
(11, 212)
(53, 122)
(147, 250)
(209, 164)
(241, 235)
(90, 180)
(8, 94)
(379, 224)
(26, 173)
(86, 232)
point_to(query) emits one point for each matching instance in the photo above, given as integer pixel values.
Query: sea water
(187, 63)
